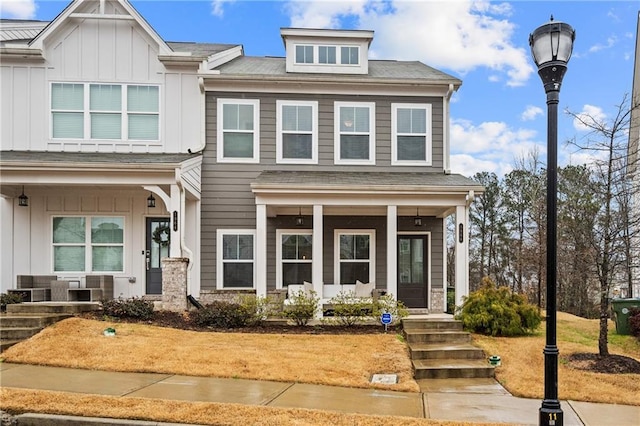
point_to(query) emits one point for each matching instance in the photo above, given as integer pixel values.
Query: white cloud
(217, 7)
(18, 9)
(459, 35)
(590, 116)
(531, 112)
(489, 146)
(611, 41)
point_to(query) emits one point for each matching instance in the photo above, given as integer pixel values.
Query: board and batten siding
(228, 203)
(97, 51)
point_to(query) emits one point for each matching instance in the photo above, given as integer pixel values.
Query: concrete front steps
(23, 320)
(440, 349)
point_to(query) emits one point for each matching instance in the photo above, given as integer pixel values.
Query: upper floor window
(354, 132)
(297, 131)
(304, 54)
(411, 134)
(327, 54)
(349, 55)
(105, 111)
(238, 130)
(88, 244)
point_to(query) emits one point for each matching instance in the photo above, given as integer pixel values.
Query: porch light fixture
(151, 201)
(417, 221)
(299, 218)
(23, 200)
(551, 47)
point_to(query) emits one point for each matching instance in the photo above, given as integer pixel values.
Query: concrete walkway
(472, 400)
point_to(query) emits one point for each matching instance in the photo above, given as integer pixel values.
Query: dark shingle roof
(70, 158)
(377, 180)
(199, 49)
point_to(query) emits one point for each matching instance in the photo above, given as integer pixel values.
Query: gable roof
(19, 30)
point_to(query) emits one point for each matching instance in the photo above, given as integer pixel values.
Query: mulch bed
(182, 321)
(611, 364)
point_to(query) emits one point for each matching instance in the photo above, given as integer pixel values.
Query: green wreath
(161, 235)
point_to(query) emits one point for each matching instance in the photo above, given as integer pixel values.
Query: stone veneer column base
(174, 283)
(437, 300)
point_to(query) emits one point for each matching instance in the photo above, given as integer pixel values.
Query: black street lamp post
(551, 47)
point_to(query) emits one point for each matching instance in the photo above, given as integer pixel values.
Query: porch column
(392, 250)
(462, 253)
(261, 250)
(316, 254)
(175, 215)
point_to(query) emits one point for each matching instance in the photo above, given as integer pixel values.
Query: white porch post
(175, 214)
(316, 269)
(392, 250)
(462, 253)
(261, 250)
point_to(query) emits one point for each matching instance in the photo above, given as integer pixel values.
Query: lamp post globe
(551, 46)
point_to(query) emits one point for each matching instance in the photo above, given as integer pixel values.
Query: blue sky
(499, 113)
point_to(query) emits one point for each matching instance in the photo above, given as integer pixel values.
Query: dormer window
(327, 51)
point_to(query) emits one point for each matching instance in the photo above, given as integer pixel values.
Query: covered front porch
(383, 228)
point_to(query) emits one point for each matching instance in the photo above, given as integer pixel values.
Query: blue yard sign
(386, 319)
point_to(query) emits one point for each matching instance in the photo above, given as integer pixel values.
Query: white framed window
(354, 140)
(294, 257)
(235, 263)
(88, 243)
(304, 54)
(238, 132)
(105, 111)
(297, 132)
(349, 55)
(354, 254)
(411, 134)
(327, 55)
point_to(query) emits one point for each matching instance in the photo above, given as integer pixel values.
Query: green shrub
(302, 308)
(634, 321)
(222, 314)
(498, 312)
(451, 300)
(387, 303)
(135, 307)
(349, 310)
(257, 308)
(9, 299)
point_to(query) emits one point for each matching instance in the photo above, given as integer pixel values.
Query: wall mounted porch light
(151, 201)
(23, 200)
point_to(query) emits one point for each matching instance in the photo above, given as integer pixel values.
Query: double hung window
(88, 244)
(297, 135)
(238, 130)
(235, 258)
(354, 133)
(294, 253)
(355, 256)
(105, 111)
(411, 134)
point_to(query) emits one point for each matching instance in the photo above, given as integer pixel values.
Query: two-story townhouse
(329, 168)
(101, 139)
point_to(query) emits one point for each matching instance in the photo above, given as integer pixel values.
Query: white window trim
(372, 133)
(124, 113)
(314, 132)
(88, 245)
(220, 233)
(256, 131)
(336, 251)
(316, 55)
(428, 135)
(279, 260)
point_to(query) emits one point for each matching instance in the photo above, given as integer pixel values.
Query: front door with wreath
(157, 247)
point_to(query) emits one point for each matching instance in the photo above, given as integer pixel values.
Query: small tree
(302, 308)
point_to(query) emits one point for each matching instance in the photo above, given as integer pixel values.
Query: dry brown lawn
(522, 368)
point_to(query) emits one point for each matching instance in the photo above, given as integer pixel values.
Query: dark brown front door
(157, 247)
(412, 270)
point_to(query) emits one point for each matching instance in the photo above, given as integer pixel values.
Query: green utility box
(622, 312)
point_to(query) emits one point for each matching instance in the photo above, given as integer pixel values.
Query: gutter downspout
(445, 130)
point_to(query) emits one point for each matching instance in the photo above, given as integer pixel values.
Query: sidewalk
(472, 400)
